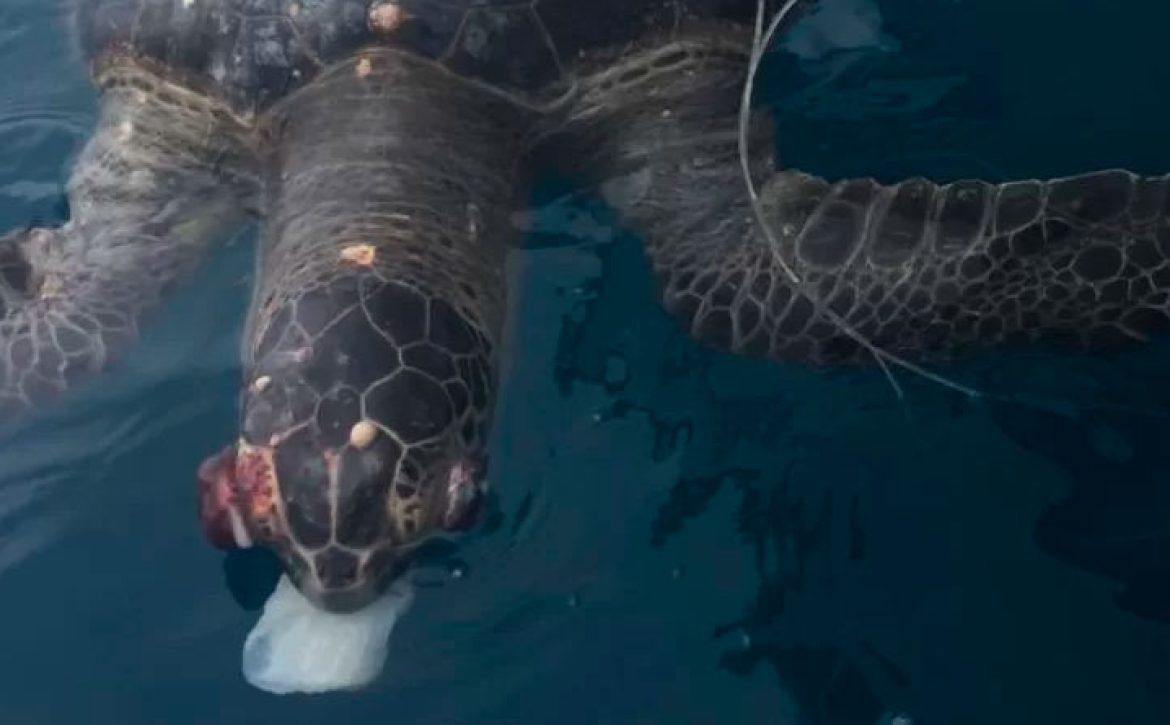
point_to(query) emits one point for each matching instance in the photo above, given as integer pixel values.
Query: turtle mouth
(219, 504)
(342, 601)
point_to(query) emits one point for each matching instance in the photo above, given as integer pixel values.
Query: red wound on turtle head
(223, 524)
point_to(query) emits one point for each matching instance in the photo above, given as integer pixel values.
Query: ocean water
(682, 536)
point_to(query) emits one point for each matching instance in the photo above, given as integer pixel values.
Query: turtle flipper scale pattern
(163, 176)
(252, 53)
(918, 268)
(372, 340)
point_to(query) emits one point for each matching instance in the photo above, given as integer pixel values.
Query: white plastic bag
(296, 647)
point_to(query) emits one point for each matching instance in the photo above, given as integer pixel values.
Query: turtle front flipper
(370, 353)
(165, 174)
(915, 267)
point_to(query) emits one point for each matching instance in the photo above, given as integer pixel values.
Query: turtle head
(363, 433)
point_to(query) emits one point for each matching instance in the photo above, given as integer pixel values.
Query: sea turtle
(383, 145)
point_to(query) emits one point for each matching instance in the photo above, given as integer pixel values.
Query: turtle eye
(465, 493)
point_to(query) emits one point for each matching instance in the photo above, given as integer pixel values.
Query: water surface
(682, 536)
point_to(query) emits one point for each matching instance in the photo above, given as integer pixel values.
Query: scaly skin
(165, 174)
(253, 53)
(918, 268)
(391, 140)
(373, 337)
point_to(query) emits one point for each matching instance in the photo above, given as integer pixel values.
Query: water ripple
(30, 538)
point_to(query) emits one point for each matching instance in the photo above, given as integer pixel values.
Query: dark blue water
(682, 537)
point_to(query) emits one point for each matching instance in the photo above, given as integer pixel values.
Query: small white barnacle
(363, 68)
(362, 255)
(125, 130)
(188, 3)
(362, 434)
(386, 17)
(261, 383)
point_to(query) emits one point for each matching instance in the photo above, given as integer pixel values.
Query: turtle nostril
(336, 568)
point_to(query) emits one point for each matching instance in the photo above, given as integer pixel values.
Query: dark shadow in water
(1115, 520)
(251, 576)
(827, 682)
(831, 683)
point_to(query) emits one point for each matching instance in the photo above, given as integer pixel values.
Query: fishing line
(760, 41)
(762, 38)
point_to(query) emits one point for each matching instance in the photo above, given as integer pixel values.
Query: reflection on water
(1114, 520)
(836, 26)
(926, 564)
